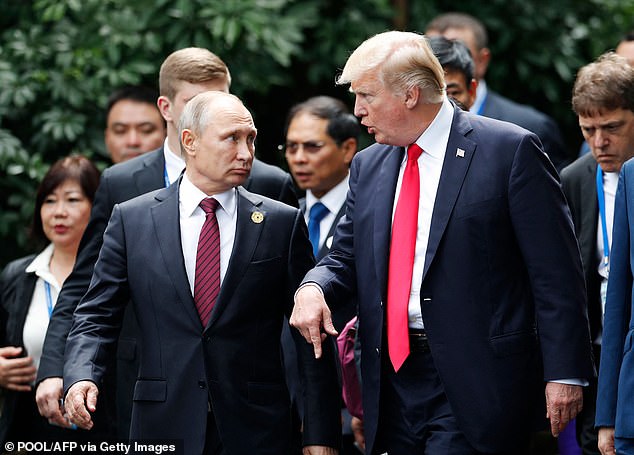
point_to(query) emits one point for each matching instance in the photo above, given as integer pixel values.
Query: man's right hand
(16, 373)
(47, 396)
(310, 314)
(80, 401)
(606, 441)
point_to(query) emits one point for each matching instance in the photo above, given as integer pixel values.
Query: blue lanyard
(604, 227)
(166, 177)
(49, 299)
(481, 108)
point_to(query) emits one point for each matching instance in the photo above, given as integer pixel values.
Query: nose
(359, 107)
(60, 209)
(599, 138)
(245, 151)
(133, 138)
(299, 156)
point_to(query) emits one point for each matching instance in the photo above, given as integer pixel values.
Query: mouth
(60, 229)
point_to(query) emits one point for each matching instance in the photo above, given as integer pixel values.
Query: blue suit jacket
(615, 396)
(234, 362)
(502, 292)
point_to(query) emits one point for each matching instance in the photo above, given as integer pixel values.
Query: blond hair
(191, 64)
(403, 60)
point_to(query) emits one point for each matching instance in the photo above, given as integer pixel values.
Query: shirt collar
(434, 139)
(41, 266)
(333, 199)
(481, 95)
(174, 164)
(190, 197)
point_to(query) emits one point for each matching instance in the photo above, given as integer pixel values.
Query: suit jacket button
(207, 338)
(202, 384)
(378, 352)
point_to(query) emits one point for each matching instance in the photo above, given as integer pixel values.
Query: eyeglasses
(309, 147)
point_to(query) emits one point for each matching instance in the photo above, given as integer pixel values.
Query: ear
(472, 88)
(349, 148)
(188, 140)
(164, 105)
(412, 96)
(483, 57)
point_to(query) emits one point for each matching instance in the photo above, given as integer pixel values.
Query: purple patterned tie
(207, 276)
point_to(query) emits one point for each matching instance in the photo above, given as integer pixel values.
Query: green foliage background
(59, 60)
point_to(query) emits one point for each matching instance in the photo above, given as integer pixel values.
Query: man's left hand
(319, 450)
(563, 403)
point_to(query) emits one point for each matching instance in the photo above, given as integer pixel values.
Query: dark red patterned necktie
(207, 276)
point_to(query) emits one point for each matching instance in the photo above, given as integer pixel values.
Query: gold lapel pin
(257, 217)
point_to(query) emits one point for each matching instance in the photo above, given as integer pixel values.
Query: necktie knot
(414, 152)
(209, 205)
(318, 212)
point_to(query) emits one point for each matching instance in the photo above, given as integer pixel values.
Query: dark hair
(464, 21)
(342, 124)
(137, 93)
(74, 167)
(453, 55)
(629, 36)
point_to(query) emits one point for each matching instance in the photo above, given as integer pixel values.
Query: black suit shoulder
(13, 276)
(501, 108)
(271, 181)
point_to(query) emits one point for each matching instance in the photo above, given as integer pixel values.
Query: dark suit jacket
(120, 183)
(616, 381)
(16, 292)
(502, 292)
(501, 108)
(578, 181)
(235, 361)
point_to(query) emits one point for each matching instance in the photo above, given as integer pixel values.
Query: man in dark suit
(321, 139)
(603, 98)
(210, 371)
(462, 258)
(470, 31)
(184, 74)
(616, 381)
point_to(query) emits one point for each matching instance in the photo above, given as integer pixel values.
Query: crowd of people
(480, 279)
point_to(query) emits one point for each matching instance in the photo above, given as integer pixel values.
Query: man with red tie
(210, 270)
(458, 248)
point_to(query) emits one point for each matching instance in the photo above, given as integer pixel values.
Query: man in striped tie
(210, 269)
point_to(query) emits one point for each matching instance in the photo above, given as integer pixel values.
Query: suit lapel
(590, 213)
(454, 171)
(247, 235)
(383, 204)
(165, 216)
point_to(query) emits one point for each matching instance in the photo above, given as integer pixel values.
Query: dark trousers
(415, 417)
(587, 435)
(213, 445)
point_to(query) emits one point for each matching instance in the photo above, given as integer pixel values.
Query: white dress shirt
(433, 141)
(37, 318)
(192, 218)
(174, 164)
(333, 200)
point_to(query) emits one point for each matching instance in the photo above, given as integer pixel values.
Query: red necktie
(207, 275)
(402, 248)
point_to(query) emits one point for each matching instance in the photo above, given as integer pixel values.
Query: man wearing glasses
(321, 139)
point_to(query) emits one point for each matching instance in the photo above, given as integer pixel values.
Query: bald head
(217, 141)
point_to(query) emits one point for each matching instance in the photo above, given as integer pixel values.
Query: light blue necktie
(317, 213)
